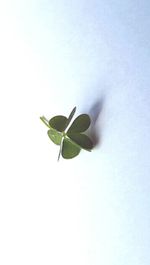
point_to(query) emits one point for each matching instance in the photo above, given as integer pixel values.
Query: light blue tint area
(94, 209)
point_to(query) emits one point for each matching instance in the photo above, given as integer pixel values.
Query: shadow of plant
(95, 112)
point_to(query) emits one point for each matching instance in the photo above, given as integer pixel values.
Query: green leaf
(80, 124)
(82, 140)
(69, 150)
(55, 136)
(58, 123)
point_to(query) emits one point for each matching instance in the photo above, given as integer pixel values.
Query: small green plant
(70, 138)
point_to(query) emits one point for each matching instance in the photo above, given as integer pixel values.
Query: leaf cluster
(70, 138)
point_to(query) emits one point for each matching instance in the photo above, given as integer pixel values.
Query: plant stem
(60, 150)
(45, 121)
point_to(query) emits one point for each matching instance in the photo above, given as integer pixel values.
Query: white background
(94, 209)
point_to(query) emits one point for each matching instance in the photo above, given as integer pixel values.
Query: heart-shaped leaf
(55, 136)
(69, 150)
(58, 123)
(80, 124)
(82, 140)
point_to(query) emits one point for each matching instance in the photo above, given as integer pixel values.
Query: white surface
(94, 209)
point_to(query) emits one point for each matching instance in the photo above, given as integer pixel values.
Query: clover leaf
(54, 136)
(58, 123)
(70, 138)
(69, 149)
(80, 124)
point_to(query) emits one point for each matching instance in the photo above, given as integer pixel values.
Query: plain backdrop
(94, 209)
